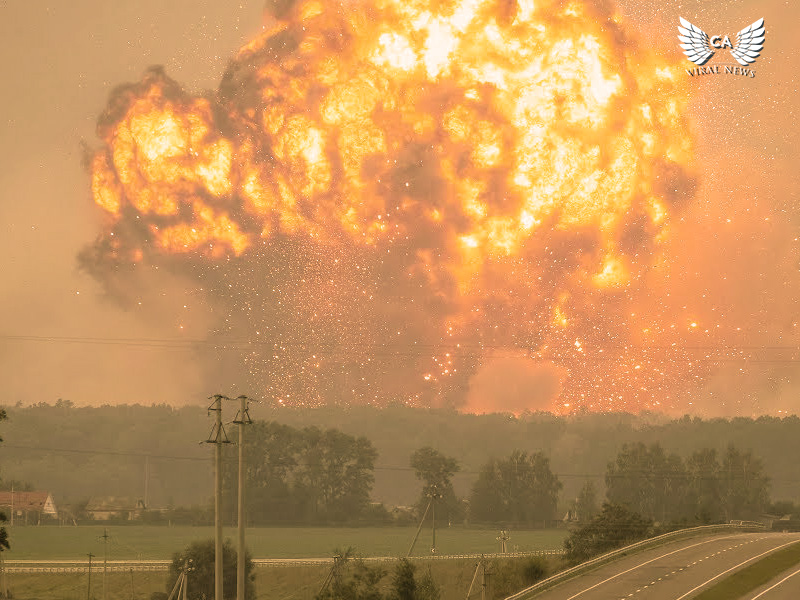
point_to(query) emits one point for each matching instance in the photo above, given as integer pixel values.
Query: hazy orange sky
(731, 265)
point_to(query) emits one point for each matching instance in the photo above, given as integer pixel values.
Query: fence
(82, 566)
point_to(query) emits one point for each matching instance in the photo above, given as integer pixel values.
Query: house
(28, 507)
(103, 508)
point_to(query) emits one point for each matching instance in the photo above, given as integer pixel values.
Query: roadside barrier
(650, 542)
(82, 566)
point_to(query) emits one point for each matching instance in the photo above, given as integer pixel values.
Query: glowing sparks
(491, 168)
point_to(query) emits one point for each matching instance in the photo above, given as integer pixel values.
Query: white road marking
(752, 558)
(641, 565)
(776, 585)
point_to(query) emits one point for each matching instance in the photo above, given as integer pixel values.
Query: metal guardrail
(82, 566)
(609, 556)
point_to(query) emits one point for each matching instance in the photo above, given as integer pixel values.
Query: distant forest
(156, 452)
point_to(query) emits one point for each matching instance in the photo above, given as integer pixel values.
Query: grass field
(274, 583)
(154, 542)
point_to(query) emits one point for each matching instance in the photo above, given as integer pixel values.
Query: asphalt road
(679, 570)
(785, 586)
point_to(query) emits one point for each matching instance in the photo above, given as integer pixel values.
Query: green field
(154, 542)
(272, 583)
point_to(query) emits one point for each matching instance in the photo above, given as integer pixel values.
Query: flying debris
(383, 198)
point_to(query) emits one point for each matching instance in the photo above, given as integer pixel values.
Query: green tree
(648, 481)
(520, 489)
(436, 472)
(586, 503)
(744, 487)
(335, 475)
(427, 589)
(272, 453)
(614, 527)
(403, 582)
(704, 496)
(201, 579)
(300, 476)
(352, 579)
(511, 575)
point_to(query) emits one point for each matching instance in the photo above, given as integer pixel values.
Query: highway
(679, 570)
(785, 586)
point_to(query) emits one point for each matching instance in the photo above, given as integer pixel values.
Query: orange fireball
(523, 159)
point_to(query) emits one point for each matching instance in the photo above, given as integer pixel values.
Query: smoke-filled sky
(540, 211)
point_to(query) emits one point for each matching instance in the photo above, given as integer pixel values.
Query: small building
(28, 507)
(103, 508)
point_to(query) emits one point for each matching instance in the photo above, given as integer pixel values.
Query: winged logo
(695, 44)
(749, 43)
(699, 48)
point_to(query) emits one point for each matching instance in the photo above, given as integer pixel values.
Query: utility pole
(434, 495)
(242, 419)
(503, 539)
(485, 577)
(89, 591)
(146, 480)
(105, 561)
(217, 437)
(416, 535)
(478, 566)
(433, 526)
(187, 568)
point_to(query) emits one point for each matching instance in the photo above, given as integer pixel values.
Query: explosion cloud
(387, 196)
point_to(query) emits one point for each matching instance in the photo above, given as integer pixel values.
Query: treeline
(311, 475)
(153, 452)
(703, 488)
(304, 475)
(315, 476)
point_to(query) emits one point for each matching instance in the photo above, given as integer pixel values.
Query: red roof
(24, 500)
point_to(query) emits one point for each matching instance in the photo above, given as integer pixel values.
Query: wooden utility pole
(105, 562)
(146, 481)
(186, 569)
(485, 577)
(242, 419)
(89, 591)
(474, 577)
(217, 437)
(416, 535)
(434, 493)
(433, 525)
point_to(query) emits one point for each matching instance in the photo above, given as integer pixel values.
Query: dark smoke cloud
(302, 321)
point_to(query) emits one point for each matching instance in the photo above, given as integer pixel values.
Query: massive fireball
(392, 195)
